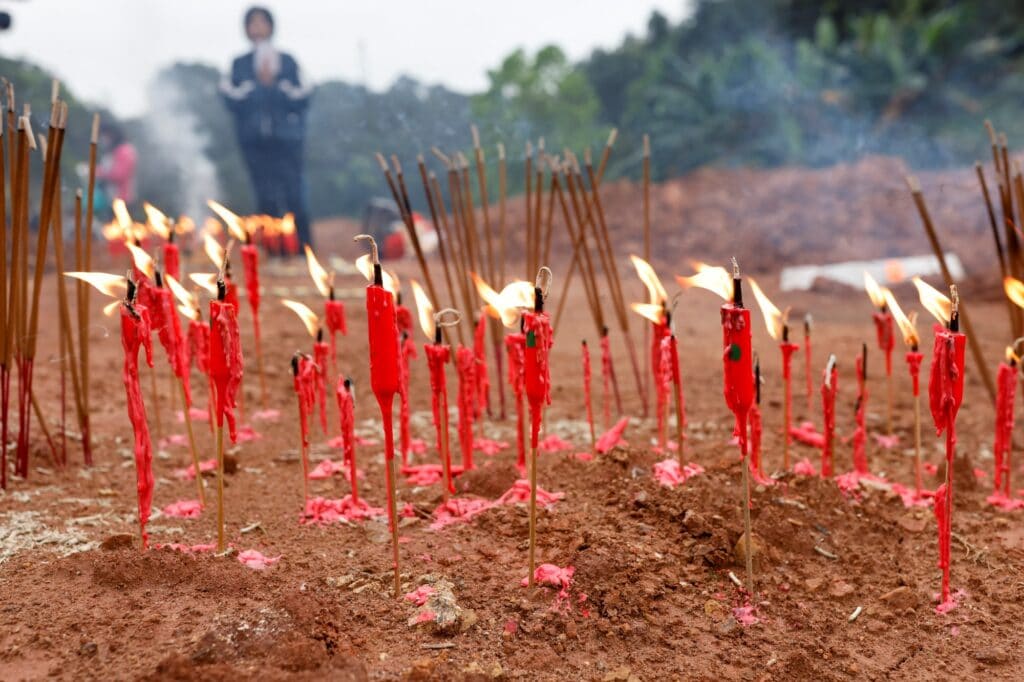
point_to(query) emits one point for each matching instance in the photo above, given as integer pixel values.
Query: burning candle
(162, 226)
(226, 374)
(465, 366)
(438, 355)
(777, 323)
(885, 334)
(537, 371)
(829, 390)
(656, 312)
(738, 369)
(334, 310)
(908, 330)
(382, 328)
(483, 385)
(135, 334)
(945, 394)
(251, 270)
(216, 253)
(304, 383)
(319, 358)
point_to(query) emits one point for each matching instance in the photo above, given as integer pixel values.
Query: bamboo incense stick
(485, 211)
(502, 190)
(4, 323)
(443, 245)
(452, 246)
(87, 290)
(1000, 252)
(606, 153)
(646, 208)
(929, 227)
(537, 208)
(527, 203)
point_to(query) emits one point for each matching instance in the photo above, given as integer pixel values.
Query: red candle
(483, 384)
(405, 438)
(305, 383)
(738, 364)
(677, 382)
(515, 344)
(914, 359)
(585, 353)
(607, 378)
(1006, 379)
(756, 468)
(172, 258)
(347, 419)
(465, 364)
(829, 389)
(231, 294)
(199, 349)
(807, 362)
(135, 332)
(438, 355)
(860, 435)
(334, 321)
(165, 321)
(537, 373)
(663, 383)
(225, 360)
(946, 393)
(321, 357)
(403, 318)
(787, 349)
(885, 333)
(382, 329)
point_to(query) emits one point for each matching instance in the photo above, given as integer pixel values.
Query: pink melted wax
(806, 433)
(247, 434)
(489, 447)
(944, 607)
(427, 474)
(183, 509)
(256, 560)
(613, 436)
(458, 510)
(886, 441)
(321, 510)
(805, 468)
(420, 595)
(266, 415)
(669, 474)
(910, 497)
(1001, 500)
(189, 472)
(744, 615)
(519, 493)
(173, 439)
(554, 443)
(550, 575)
(195, 413)
(327, 468)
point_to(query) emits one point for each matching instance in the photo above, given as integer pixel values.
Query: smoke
(185, 175)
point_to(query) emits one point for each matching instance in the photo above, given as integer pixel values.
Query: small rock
(739, 551)
(840, 588)
(695, 524)
(992, 656)
(440, 612)
(900, 599)
(813, 584)
(118, 541)
(88, 649)
(230, 464)
(621, 674)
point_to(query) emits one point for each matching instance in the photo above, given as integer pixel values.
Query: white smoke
(172, 129)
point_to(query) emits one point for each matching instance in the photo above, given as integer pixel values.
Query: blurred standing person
(269, 103)
(116, 169)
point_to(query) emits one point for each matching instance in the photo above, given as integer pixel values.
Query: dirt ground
(651, 597)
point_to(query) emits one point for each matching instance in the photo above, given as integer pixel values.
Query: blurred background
(728, 83)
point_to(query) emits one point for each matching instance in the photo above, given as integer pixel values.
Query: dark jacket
(267, 113)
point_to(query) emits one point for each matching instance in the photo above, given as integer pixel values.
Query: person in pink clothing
(116, 170)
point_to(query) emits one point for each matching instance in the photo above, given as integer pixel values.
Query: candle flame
(655, 291)
(365, 266)
(774, 319)
(230, 219)
(507, 305)
(143, 261)
(109, 285)
(424, 309)
(212, 226)
(321, 278)
(214, 251)
(307, 316)
(1014, 289)
(157, 221)
(934, 301)
(287, 224)
(184, 296)
(907, 324)
(715, 279)
(875, 292)
(1011, 356)
(111, 308)
(185, 225)
(655, 312)
(208, 281)
(189, 312)
(124, 219)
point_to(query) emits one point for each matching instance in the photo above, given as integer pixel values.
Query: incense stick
(606, 153)
(929, 227)
(502, 190)
(646, 208)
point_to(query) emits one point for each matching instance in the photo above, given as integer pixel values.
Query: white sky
(109, 49)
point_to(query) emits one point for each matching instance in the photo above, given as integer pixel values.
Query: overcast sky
(109, 49)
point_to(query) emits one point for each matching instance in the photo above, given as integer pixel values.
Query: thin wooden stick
(469, 223)
(485, 210)
(646, 207)
(581, 256)
(220, 487)
(192, 444)
(1000, 252)
(502, 190)
(530, 270)
(443, 245)
(549, 222)
(454, 247)
(929, 227)
(533, 515)
(606, 153)
(535, 238)
(87, 290)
